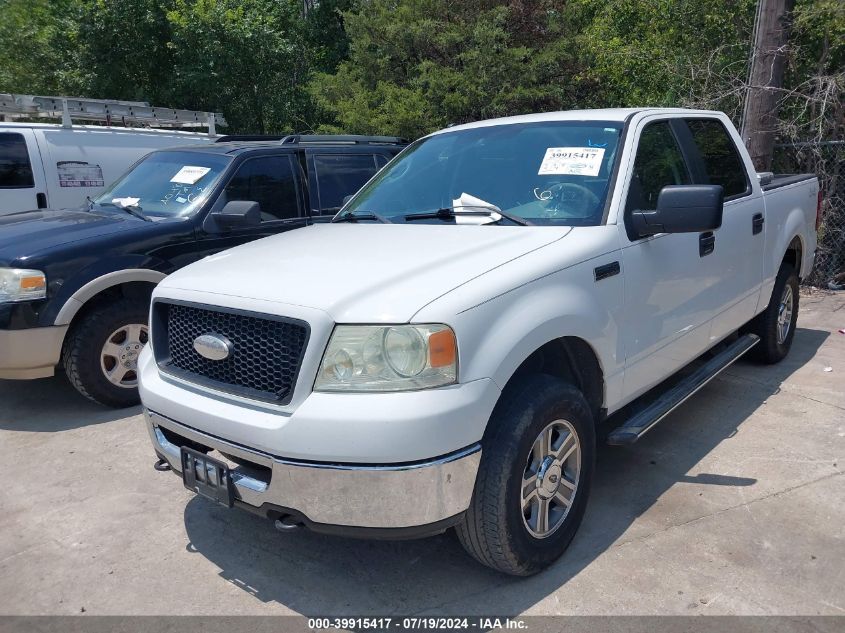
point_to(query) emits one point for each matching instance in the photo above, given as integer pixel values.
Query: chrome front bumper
(396, 496)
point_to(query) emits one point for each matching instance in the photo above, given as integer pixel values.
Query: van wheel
(776, 325)
(535, 475)
(101, 354)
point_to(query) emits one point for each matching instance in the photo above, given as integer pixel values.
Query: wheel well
(793, 255)
(140, 290)
(573, 360)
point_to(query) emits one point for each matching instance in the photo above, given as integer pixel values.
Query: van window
(659, 163)
(269, 181)
(722, 163)
(15, 169)
(341, 175)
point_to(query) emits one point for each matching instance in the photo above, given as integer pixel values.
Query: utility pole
(765, 79)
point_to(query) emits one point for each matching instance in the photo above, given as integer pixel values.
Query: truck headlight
(18, 284)
(388, 358)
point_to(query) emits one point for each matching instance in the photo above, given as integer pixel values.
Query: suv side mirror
(682, 209)
(238, 214)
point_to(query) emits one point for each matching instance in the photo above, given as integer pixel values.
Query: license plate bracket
(207, 476)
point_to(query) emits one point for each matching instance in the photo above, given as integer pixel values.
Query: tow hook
(287, 523)
(162, 466)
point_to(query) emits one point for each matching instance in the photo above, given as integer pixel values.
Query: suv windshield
(166, 183)
(553, 173)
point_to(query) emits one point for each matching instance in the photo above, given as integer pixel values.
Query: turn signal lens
(442, 348)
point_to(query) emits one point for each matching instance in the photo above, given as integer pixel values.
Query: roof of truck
(607, 114)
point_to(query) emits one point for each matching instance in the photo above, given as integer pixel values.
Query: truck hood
(367, 273)
(27, 233)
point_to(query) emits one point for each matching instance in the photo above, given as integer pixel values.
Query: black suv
(75, 284)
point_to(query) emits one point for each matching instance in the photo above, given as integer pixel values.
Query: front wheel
(534, 478)
(101, 354)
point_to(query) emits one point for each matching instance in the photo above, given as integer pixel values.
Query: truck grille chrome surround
(265, 353)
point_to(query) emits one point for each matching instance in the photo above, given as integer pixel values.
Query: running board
(642, 422)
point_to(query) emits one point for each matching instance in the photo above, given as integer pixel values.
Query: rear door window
(341, 175)
(271, 182)
(15, 168)
(659, 163)
(720, 159)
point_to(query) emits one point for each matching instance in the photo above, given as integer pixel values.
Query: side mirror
(238, 214)
(682, 209)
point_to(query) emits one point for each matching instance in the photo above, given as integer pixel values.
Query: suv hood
(27, 233)
(362, 273)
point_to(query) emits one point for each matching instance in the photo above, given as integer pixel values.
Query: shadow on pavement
(320, 575)
(50, 404)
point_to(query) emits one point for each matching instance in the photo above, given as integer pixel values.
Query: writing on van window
(74, 173)
(572, 161)
(189, 174)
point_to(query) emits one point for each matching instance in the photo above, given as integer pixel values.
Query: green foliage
(416, 66)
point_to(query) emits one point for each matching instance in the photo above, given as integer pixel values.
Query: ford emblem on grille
(213, 346)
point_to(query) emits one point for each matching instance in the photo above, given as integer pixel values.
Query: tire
(497, 529)
(773, 347)
(87, 359)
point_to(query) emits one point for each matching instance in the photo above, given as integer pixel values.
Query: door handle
(757, 223)
(41, 200)
(706, 243)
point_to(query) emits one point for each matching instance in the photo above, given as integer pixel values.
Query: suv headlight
(388, 358)
(18, 284)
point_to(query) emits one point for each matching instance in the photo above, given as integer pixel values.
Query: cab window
(721, 161)
(269, 181)
(15, 169)
(659, 163)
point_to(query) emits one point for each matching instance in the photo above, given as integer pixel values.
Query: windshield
(554, 173)
(167, 183)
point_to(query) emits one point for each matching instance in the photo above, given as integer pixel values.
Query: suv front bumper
(30, 353)
(396, 500)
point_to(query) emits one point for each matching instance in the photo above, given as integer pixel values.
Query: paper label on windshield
(572, 161)
(126, 202)
(189, 174)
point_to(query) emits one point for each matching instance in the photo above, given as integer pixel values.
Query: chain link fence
(827, 160)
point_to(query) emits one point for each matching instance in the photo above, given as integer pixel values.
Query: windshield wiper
(351, 216)
(448, 213)
(131, 209)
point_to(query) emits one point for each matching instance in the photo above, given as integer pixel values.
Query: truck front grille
(265, 353)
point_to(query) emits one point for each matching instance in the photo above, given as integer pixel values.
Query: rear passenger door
(739, 242)
(275, 183)
(22, 184)
(335, 176)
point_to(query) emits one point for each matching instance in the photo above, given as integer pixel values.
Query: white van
(45, 165)
(52, 165)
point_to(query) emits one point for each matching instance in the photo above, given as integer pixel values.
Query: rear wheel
(101, 354)
(534, 478)
(776, 325)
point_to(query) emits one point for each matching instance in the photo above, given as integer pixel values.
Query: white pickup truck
(441, 354)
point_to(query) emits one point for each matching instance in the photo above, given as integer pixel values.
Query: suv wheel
(534, 478)
(101, 354)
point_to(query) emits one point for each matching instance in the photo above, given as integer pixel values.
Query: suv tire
(520, 473)
(101, 353)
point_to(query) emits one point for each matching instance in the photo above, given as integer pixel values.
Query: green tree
(38, 46)
(417, 65)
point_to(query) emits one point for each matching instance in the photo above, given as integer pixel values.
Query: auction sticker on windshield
(572, 161)
(190, 174)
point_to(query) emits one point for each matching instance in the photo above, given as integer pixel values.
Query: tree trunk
(760, 115)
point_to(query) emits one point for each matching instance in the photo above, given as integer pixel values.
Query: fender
(794, 225)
